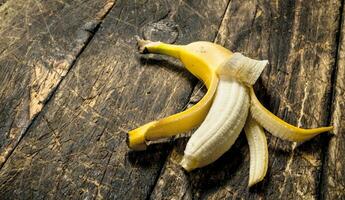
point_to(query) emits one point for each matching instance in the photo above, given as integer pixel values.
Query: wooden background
(72, 84)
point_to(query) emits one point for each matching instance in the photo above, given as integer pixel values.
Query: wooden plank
(76, 147)
(2, 2)
(334, 167)
(39, 42)
(299, 39)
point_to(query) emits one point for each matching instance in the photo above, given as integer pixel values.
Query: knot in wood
(164, 30)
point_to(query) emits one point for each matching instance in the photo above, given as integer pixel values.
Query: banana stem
(147, 46)
(183, 121)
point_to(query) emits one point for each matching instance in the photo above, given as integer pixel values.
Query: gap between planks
(325, 139)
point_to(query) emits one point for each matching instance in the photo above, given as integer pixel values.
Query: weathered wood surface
(299, 39)
(76, 146)
(334, 166)
(39, 43)
(92, 87)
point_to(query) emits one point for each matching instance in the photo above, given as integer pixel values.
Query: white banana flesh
(258, 151)
(224, 110)
(221, 126)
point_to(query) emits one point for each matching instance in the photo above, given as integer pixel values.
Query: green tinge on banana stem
(258, 151)
(242, 68)
(221, 127)
(277, 126)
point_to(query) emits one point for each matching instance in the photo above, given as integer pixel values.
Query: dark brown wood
(72, 85)
(334, 166)
(76, 146)
(39, 42)
(299, 39)
(2, 2)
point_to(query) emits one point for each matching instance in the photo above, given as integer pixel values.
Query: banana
(229, 105)
(221, 127)
(201, 59)
(277, 126)
(242, 68)
(258, 151)
(228, 112)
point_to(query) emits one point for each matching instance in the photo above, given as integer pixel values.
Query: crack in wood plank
(298, 54)
(332, 185)
(122, 169)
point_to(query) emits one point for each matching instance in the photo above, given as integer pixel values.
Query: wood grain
(72, 85)
(2, 2)
(299, 39)
(39, 43)
(76, 147)
(334, 166)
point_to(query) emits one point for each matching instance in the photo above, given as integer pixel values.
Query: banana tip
(253, 181)
(185, 165)
(141, 43)
(331, 130)
(144, 45)
(250, 184)
(188, 163)
(136, 140)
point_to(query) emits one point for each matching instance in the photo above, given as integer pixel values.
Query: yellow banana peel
(229, 106)
(201, 63)
(277, 126)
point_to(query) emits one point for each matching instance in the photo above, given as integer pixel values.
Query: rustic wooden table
(72, 84)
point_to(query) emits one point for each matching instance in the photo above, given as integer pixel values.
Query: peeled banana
(258, 151)
(201, 59)
(221, 126)
(228, 106)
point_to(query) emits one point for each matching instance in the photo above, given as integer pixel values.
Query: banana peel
(229, 106)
